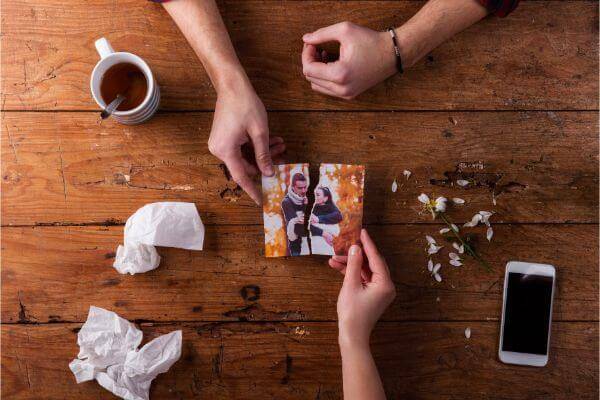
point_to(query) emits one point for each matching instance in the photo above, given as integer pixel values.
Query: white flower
(458, 200)
(423, 198)
(489, 234)
(454, 227)
(456, 263)
(462, 182)
(430, 265)
(430, 240)
(394, 186)
(453, 256)
(444, 230)
(433, 206)
(474, 221)
(407, 173)
(436, 268)
(459, 248)
(468, 333)
(437, 277)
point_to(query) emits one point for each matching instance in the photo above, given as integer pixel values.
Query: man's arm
(240, 116)
(367, 57)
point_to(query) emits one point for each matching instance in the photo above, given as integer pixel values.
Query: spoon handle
(112, 106)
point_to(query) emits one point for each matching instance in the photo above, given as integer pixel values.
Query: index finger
(312, 66)
(239, 175)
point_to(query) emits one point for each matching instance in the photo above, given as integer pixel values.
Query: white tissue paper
(108, 353)
(168, 224)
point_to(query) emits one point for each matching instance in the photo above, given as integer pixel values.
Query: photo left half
(284, 210)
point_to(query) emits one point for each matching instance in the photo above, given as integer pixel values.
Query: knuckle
(262, 157)
(346, 26)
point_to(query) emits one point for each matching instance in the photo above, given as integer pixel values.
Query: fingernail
(306, 36)
(354, 250)
(270, 171)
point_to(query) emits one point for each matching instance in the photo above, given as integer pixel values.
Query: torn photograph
(336, 218)
(284, 208)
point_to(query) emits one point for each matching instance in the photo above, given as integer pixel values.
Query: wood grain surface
(53, 274)
(545, 56)
(510, 105)
(418, 360)
(66, 168)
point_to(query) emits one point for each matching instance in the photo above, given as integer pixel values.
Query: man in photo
(294, 207)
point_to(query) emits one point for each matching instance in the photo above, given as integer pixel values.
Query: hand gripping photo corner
(335, 220)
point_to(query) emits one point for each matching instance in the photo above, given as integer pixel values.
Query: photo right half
(336, 218)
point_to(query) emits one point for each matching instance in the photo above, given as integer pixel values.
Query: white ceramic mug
(108, 58)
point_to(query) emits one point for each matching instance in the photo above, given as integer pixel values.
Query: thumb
(354, 267)
(262, 153)
(332, 33)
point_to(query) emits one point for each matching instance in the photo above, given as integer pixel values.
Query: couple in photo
(323, 222)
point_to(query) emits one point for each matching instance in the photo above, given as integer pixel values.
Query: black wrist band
(396, 50)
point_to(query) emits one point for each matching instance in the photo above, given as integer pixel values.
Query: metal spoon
(112, 106)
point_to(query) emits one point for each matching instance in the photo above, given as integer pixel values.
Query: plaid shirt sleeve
(500, 7)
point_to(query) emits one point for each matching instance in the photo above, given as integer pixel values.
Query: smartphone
(526, 313)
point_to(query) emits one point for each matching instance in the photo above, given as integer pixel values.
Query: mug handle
(103, 47)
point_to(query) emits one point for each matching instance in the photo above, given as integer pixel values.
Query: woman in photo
(324, 222)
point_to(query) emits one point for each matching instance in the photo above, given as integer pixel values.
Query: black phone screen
(527, 313)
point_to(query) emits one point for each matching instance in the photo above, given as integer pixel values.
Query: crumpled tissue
(168, 224)
(108, 353)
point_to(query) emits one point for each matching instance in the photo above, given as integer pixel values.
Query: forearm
(203, 27)
(435, 23)
(360, 376)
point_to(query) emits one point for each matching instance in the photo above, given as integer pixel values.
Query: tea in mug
(127, 80)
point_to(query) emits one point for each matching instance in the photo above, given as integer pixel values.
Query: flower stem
(467, 247)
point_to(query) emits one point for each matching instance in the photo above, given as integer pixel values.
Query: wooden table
(510, 104)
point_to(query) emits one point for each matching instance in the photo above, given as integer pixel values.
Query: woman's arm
(367, 57)
(240, 116)
(363, 298)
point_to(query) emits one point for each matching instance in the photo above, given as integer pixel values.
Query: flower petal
(430, 265)
(423, 198)
(436, 268)
(468, 333)
(474, 221)
(489, 234)
(394, 186)
(430, 240)
(407, 173)
(453, 256)
(433, 249)
(456, 263)
(454, 227)
(444, 230)
(437, 277)
(458, 200)
(462, 182)
(440, 204)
